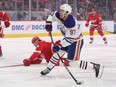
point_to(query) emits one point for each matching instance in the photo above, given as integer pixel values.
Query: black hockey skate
(96, 68)
(105, 42)
(45, 71)
(91, 42)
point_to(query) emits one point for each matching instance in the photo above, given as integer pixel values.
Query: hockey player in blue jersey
(72, 42)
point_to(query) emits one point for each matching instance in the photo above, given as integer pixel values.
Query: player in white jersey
(72, 42)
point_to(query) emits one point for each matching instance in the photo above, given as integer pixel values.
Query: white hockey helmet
(67, 8)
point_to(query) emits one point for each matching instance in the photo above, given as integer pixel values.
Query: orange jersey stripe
(77, 50)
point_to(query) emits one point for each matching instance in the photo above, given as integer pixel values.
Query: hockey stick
(16, 65)
(77, 82)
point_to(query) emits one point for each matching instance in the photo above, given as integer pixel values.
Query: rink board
(37, 28)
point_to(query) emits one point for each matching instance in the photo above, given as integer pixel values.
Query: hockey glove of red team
(26, 62)
(58, 42)
(7, 23)
(87, 24)
(6, 20)
(48, 26)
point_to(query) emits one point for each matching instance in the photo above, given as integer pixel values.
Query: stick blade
(80, 82)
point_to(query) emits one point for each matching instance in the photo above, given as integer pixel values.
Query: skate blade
(101, 71)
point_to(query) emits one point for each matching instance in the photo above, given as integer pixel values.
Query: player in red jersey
(43, 50)
(96, 24)
(5, 18)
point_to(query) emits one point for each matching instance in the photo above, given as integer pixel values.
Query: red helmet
(35, 40)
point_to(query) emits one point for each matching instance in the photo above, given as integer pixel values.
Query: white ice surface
(16, 49)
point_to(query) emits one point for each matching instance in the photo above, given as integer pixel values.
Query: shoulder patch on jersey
(57, 14)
